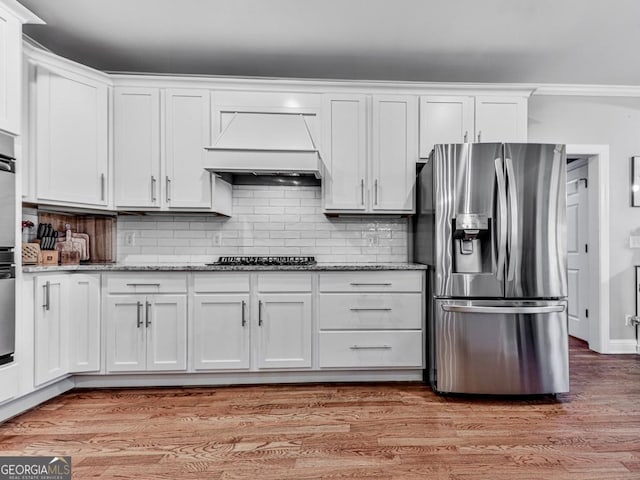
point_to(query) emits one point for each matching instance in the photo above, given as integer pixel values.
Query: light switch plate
(634, 241)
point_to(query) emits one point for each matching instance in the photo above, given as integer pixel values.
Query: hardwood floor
(384, 431)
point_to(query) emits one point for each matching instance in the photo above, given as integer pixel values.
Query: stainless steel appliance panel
(7, 203)
(536, 193)
(467, 179)
(7, 312)
(501, 347)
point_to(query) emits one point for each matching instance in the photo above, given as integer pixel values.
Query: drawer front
(371, 349)
(230, 282)
(160, 282)
(284, 282)
(372, 281)
(353, 311)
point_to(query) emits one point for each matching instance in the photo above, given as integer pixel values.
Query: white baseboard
(623, 346)
(22, 404)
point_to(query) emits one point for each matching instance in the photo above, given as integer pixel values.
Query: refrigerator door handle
(514, 241)
(502, 216)
(506, 310)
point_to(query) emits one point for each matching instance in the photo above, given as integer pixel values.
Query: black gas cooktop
(267, 261)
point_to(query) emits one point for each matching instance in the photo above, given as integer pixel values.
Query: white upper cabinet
(159, 140)
(460, 119)
(187, 131)
(12, 16)
(71, 135)
(445, 120)
(370, 151)
(137, 147)
(501, 119)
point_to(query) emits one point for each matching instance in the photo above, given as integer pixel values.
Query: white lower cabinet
(221, 332)
(67, 325)
(371, 320)
(146, 333)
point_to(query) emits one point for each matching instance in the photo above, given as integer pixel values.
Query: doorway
(578, 246)
(596, 293)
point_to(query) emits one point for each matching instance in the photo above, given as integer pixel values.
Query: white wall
(267, 220)
(602, 120)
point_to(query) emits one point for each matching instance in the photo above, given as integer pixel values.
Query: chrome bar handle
(372, 309)
(148, 315)
(375, 191)
(514, 241)
(47, 296)
(502, 218)
(168, 185)
(153, 189)
(244, 319)
(370, 347)
(102, 178)
(505, 310)
(259, 313)
(370, 284)
(362, 191)
(139, 318)
(142, 284)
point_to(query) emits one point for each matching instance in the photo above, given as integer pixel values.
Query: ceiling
(513, 41)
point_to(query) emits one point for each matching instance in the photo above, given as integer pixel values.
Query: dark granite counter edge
(216, 268)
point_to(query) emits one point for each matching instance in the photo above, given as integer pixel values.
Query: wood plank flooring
(393, 431)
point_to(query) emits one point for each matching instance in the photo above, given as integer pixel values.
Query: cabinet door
(137, 147)
(394, 153)
(166, 325)
(445, 120)
(345, 152)
(284, 331)
(71, 138)
(126, 333)
(187, 130)
(84, 318)
(221, 332)
(501, 119)
(51, 328)
(10, 60)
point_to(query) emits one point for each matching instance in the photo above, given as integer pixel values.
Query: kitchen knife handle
(139, 314)
(102, 178)
(244, 319)
(259, 313)
(168, 185)
(148, 315)
(153, 189)
(362, 191)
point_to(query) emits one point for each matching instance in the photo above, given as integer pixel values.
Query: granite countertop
(221, 268)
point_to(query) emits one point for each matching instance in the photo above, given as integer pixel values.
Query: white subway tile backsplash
(267, 220)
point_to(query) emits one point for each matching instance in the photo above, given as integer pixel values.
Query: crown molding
(21, 12)
(588, 90)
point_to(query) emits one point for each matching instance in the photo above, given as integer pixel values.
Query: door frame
(598, 240)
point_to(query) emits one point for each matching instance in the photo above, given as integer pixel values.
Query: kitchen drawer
(379, 349)
(228, 282)
(284, 282)
(372, 281)
(147, 283)
(370, 311)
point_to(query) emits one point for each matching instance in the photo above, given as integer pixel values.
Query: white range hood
(265, 143)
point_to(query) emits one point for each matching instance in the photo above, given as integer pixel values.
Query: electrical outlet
(217, 239)
(373, 240)
(130, 239)
(634, 241)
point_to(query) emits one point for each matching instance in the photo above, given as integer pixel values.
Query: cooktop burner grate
(242, 260)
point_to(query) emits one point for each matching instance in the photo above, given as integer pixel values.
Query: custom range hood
(265, 144)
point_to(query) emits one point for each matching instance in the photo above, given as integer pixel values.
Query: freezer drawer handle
(370, 347)
(358, 309)
(526, 310)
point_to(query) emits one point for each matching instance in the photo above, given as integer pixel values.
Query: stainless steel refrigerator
(491, 224)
